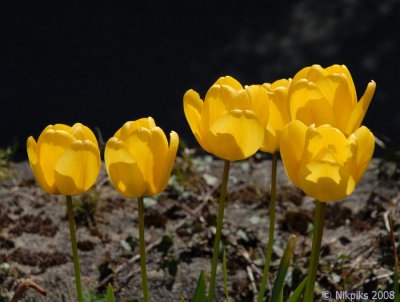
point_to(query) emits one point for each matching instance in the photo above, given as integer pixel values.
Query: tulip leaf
(110, 294)
(277, 289)
(225, 275)
(298, 291)
(200, 292)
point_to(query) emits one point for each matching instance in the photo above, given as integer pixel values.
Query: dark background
(103, 65)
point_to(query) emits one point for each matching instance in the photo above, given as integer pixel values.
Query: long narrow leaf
(200, 292)
(283, 268)
(225, 275)
(295, 297)
(110, 294)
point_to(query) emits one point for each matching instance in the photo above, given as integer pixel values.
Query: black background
(105, 64)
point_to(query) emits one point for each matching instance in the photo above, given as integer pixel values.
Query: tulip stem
(220, 218)
(269, 250)
(142, 250)
(315, 250)
(75, 256)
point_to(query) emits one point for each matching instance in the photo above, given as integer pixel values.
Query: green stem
(315, 250)
(268, 252)
(142, 250)
(75, 256)
(220, 217)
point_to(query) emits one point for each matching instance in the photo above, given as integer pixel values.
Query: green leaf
(225, 276)
(298, 291)
(110, 294)
(277, 289)
(200, 292)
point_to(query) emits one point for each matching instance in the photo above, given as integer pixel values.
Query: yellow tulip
(322, 161)
(277, 113)
(328, 96)
(65, 160)
(138, 159)
(226, 124)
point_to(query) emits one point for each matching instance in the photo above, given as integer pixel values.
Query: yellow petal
(271, 140)
(77, 168)
(82, 132)
(166, 168)
(335, 88)
(59, 127)
(138, 144)
(193, 105)
(292, 145)
(364, 144)
(342, 69)
(312, 73)
(50, 146)
(36, 169)
(359, 111)
(229, 81)
(308, 105)
(215, 105)
(326, 181)
(326, 143)
(259, 102)
(236, 135)
(159, 150)
(129, 127)
(123, 169)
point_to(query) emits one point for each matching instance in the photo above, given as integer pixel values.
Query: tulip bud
(322, 161)
(225, 124)
(65, 160)
(138, 159)
(328, 96)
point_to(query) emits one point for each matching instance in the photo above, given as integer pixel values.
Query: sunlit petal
(123, 169)
(236, 135)
(359, 111)
(292, 145)
(77, 168)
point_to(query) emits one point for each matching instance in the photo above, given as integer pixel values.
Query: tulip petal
(326, 181)
(77, 168)
(215, 105)
(229, 81)
(326, 143)
(82, 132)
(342, 69)
(364, 144)
(259, 101)
(159, 150)
(50, 146)
(123, 169)
(192, 106)
(311, 73)
(169, 162)
(308, 105)
(336, 90)
(359, 111)
(36, 169)
(270, 143)
(236, 135)
(129, 127)
(292, 145)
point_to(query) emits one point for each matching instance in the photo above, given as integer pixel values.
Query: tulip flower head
(226, 123)
(65, 160)
(328, 96)
(138, 158)
(322, 161)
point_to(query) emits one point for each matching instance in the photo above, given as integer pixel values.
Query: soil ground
(180, 225)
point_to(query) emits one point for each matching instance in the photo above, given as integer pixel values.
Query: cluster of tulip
(313, 120)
